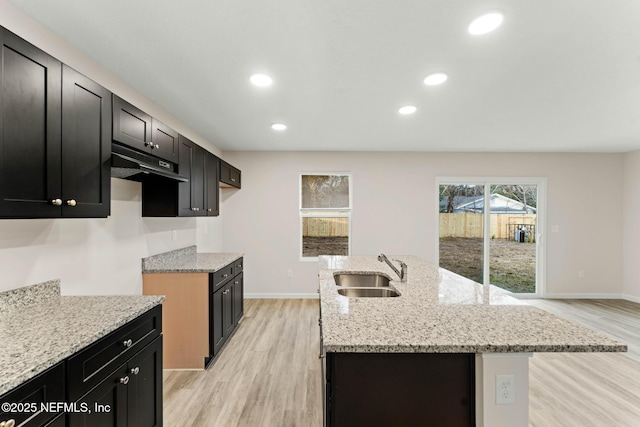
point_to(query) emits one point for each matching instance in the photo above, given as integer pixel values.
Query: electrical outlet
(174, 235)
(581, 274)
(505, 389)
(289, 273)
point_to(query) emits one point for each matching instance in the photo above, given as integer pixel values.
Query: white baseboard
(631, 298)
(591, 296)
(281, 296)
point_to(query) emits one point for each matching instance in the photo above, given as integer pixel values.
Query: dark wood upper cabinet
(230, 176)
(191, 194)
(212, 189)
(131, 125)
(86, 146)
(198, 197)
(55, 139)
(165, 141)
(30, 137)
(137, 129)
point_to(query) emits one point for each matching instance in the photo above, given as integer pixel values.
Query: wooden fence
(471, 224)
(325, 227)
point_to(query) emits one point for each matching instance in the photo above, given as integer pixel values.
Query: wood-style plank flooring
(269, 373)
(589, 389)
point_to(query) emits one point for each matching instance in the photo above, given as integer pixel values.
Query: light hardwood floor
(269, 373)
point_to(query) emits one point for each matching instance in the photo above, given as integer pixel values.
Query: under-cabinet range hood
(134, 165)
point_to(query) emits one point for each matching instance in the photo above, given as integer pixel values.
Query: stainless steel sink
(368, 292)
(366, 280)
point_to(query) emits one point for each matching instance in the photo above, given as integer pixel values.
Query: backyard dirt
(512, 264)
(314, 246)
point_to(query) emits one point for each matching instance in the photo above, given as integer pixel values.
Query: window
(325, 214)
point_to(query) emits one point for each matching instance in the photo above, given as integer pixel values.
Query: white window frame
(330, 212)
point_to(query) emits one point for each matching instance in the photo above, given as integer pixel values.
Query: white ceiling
(556, 76)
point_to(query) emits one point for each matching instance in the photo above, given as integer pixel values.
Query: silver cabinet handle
(225, 275)
(149, 144)
(233, 179)
(209, 210)
(157, 146)
(236, 282)
(136, 370)
(71, 202)
(124, 380)
(8, 423)
(56, 202)
(127, 343)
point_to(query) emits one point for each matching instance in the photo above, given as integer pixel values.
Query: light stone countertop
(187, 260)
(441, 312)
(39, 327)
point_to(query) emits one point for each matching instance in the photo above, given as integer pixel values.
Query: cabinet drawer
(238, 266)
(220, 277)
(45, 387)
(90, 366)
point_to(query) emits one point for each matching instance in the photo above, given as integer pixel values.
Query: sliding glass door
(490, 231)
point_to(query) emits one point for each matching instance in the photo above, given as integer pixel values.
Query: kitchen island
(435, 349)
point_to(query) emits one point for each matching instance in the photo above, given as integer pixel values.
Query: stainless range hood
(130, 164)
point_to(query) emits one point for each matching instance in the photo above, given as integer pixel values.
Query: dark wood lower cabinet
(130, 396)
(226, 307)
(127, 391)
(400, 389)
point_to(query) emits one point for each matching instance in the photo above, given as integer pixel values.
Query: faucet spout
(402, 273)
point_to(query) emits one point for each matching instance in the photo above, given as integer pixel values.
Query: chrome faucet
(403, 267)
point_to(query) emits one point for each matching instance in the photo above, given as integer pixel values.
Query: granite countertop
(39, 327)
(441, 312)
(187, 260)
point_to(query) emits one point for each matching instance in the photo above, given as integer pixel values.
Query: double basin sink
(364, 285)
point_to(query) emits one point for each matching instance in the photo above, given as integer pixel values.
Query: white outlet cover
(505, 389)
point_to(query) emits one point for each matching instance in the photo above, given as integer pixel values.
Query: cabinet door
(145, 386)
(164, 141)
(187, 153)
(191, 194)
(238, 298)
(216, 327)
(107, 402)
(229, 175)
(212, 188)
(131, 126)
(197, 181)
(86, 146)
(227, 309)
(30, 120)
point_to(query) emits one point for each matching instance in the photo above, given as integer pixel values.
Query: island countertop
(39, 327)
(187, 260)
(441, 312)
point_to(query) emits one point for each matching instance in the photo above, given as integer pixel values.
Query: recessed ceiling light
(435, 79)
(261, 80)
(485, 23)
(407, 109)
(278, 126)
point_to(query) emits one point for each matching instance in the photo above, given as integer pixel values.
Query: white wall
(631, 210)
(95, 256)
(394, 208)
